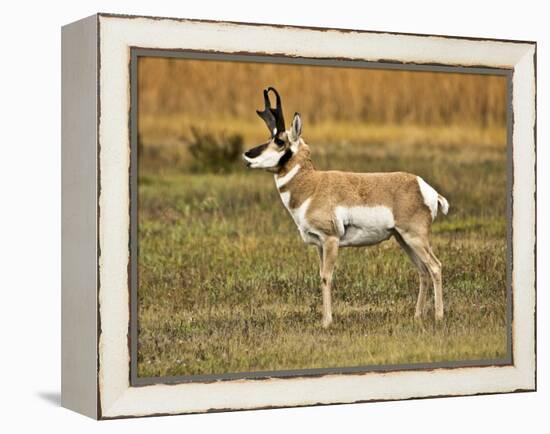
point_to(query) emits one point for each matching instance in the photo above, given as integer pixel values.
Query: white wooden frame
(96, 197)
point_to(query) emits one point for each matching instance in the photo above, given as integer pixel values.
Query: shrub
(214, 153)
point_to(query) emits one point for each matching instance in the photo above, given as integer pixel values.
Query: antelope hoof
(326, 322)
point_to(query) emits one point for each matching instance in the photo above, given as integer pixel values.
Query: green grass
(227, 285)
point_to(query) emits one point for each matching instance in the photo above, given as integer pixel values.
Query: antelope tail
(443, 204)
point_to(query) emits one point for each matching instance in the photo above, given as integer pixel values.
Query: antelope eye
(279, 142)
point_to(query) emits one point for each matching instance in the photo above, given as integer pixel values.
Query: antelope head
(282, 144)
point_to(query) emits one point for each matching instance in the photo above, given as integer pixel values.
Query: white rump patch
(430, 196)
(363, 225)
(284, 180)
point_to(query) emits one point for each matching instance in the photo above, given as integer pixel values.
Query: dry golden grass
(173, 128)
(214, 89)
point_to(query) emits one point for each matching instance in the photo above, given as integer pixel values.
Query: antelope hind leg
(423, 276)
(421, 248)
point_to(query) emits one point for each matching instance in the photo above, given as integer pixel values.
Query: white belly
(357, 226)
(363, 225)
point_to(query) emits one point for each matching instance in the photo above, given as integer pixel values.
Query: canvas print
(301, 218)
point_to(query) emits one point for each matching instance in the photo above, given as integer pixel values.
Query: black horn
(273, 117)
(267, 114)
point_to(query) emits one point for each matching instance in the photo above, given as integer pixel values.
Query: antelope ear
(296, 129)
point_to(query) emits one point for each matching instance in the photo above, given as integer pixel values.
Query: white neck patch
(284, 180)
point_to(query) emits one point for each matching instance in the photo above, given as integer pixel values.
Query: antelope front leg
(329, 254)
(320, 251)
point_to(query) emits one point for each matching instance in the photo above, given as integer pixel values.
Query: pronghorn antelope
(334, 209)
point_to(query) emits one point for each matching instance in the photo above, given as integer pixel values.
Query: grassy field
(227, 285)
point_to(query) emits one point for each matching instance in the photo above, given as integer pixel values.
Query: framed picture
(262, 216)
